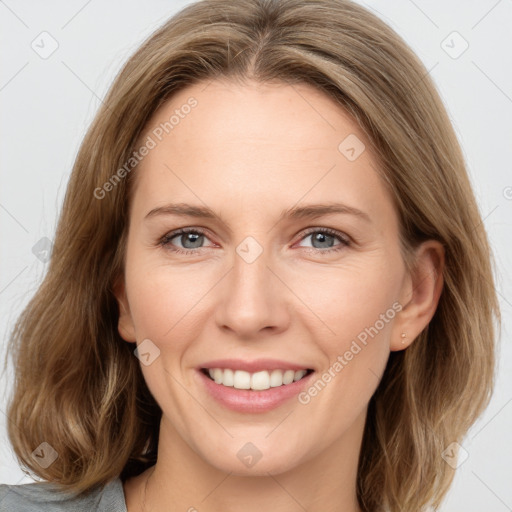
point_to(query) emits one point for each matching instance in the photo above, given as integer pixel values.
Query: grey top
(45, 497)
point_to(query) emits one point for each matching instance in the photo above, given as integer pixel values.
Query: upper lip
(253, 366)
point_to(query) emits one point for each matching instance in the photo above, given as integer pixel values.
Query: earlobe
(421, 295)
(125, 323)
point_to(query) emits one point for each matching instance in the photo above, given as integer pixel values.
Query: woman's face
(266, 279)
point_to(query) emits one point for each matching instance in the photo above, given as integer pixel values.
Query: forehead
(241, 146)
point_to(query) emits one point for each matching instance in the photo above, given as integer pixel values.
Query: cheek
(349, 298)
(154, 304)
(357, 305)
(165, 301)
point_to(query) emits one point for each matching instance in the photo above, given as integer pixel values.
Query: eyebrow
(297, 212)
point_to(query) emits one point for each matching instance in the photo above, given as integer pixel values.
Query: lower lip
(248, 401)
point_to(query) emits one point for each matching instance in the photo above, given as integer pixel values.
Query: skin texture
(249, 151)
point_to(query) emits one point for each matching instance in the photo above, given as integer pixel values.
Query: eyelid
(180, 231)
(344, 239)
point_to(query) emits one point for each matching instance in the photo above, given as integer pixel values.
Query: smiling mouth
(257, 381)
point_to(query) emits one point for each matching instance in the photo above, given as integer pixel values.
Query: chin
(248, 460)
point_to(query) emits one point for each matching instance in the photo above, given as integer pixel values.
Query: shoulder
(46, 497)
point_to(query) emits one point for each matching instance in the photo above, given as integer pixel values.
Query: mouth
(253, 385)
(256, 381)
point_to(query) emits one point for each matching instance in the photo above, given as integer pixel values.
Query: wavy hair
(78, 385)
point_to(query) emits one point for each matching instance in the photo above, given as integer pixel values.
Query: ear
(125, 324)
(420, 294)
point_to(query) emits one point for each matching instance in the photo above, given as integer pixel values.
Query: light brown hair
(78, 385)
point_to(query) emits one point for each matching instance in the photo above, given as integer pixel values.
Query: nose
(253, 301)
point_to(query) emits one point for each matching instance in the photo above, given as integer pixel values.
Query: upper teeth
(259, 381)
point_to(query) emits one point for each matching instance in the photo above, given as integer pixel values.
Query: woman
(270, 286)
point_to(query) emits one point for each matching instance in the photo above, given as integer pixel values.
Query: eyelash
(165, 240)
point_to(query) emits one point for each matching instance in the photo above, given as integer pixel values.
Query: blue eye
(192, 239)
(325, 239)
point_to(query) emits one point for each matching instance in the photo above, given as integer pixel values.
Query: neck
(182, 480)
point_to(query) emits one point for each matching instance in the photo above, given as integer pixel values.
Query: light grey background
(48, 103)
